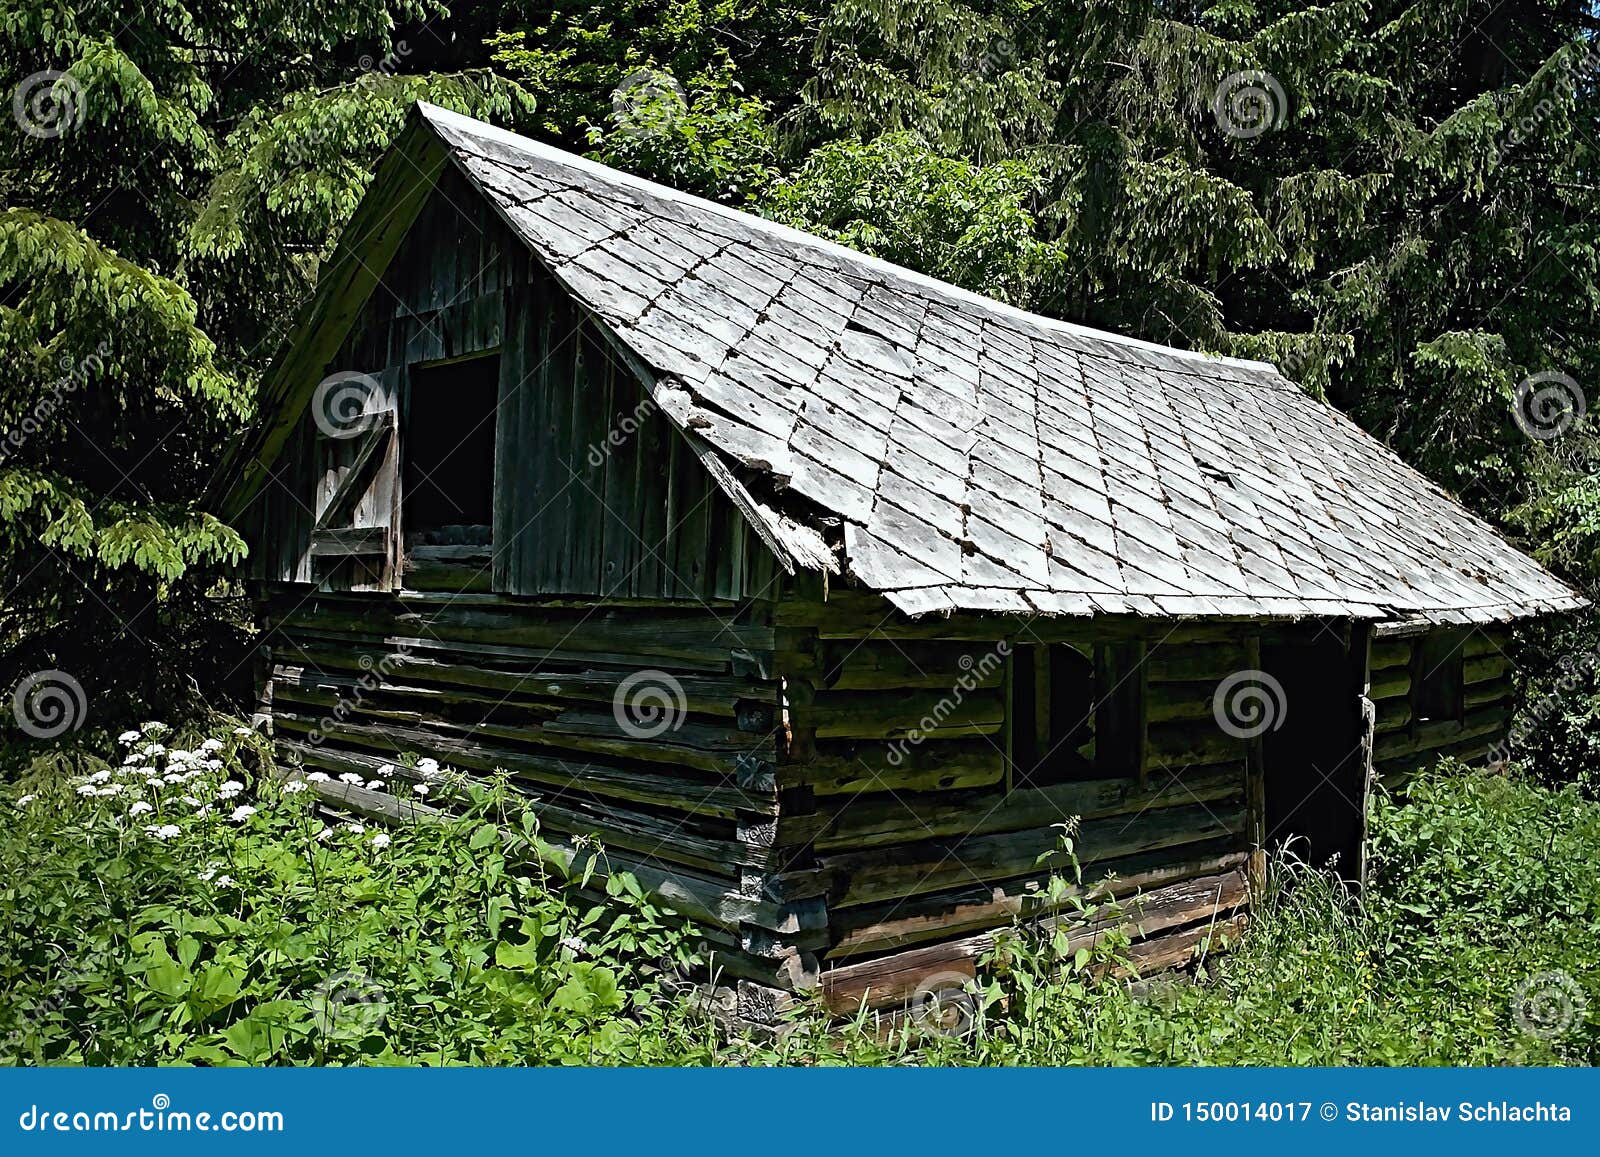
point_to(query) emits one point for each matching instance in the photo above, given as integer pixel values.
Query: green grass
(260, 939)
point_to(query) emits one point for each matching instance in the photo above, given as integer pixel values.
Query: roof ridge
(440, 116)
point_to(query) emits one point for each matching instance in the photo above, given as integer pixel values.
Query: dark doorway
(1315, 777)
(447, 451)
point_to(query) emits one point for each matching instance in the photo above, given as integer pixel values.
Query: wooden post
(1255, 776)
(1361, 669)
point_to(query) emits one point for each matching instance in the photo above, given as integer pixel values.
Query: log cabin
(821, 593)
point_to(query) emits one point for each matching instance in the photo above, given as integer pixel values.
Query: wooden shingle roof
(982, 458)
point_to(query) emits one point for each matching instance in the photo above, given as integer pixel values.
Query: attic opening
(1073, 715)
(447, 456)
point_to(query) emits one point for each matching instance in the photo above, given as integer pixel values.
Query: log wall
(482, 683)
(924, 849)
(1403, 744)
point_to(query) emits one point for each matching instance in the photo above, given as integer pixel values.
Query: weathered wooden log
(1194, 744)
(657, 785)
(948, 765)
(900, 923)
(1486, 694)
(900, 714)
(1172, 663)
(874, 821)
(1390, 683)
(1442, 732)
(896, 979)
(868, 876)
(1485, 669)
(875, 666)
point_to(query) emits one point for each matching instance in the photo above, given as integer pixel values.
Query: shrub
(181, 906)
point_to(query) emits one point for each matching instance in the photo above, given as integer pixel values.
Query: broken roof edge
(445, 122)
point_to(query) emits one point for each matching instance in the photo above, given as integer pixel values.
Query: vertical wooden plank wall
(595, 495)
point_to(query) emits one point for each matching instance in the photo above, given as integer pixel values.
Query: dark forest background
(1396, 202)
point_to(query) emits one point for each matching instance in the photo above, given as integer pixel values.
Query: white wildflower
(111, 789)
(229, 789)
(211, 745)
(242, 813)
(381, 840)
(357, 828)
(351, 778)
(377, 785)
(128, 737)
(202, 812)
(213, 765)
(86, 789)
(574, 944)
(293, 787)
(172, 777)
(224, 881)
(317, 777)
(155, 781)
(242, 731)
(207, 874)
(325, 835)
(163, 831)
(420, 788)
(153, 728)
(191, 801)
(100, 776)
(138, 807)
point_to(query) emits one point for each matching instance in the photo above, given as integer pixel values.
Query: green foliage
(229, 925)
(270, 937)
(896, 199)
(1483, 889)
